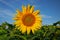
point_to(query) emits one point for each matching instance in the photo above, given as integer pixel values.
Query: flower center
(28, 19)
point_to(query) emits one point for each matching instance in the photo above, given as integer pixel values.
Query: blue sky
(49, 9)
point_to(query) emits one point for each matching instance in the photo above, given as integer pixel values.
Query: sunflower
(28, 20)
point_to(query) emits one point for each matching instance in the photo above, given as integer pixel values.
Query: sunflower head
(28, 20)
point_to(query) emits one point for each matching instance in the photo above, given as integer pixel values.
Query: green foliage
(50, 32)
(58, 22)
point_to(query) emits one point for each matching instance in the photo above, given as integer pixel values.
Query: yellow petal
(23, 29)
(28, 30)
(16, 22)
(33, 31)
(32, 9)
(32, 28)
(18, 27)
(23, 9)
(36, 12)
(18, 11)
(28, 9)
(15, 18)
(17, 15)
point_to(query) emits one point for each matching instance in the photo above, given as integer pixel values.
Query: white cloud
(46, 16)
(6, 12)
(8, 4)
(2, 16)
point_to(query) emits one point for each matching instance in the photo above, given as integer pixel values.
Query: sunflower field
(47, 32)
(28, 26)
